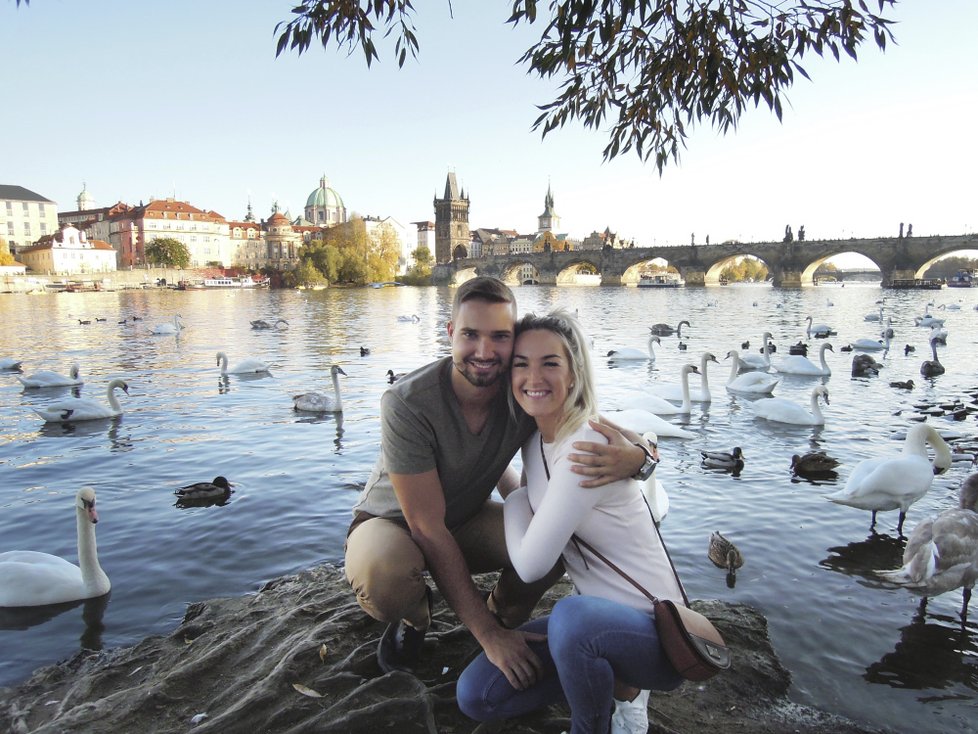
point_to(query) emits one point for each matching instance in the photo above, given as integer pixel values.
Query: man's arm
(423, 502)
(608, 462)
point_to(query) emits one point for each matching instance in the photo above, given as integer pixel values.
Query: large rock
(298, 656)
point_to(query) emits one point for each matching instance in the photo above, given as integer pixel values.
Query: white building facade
(69, 252)
(25, 217)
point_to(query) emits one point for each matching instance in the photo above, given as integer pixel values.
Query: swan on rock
(46, 378)
(752, 383)
(248, 366)
(70, 410)
(32, 579)
(798, 365)
(882, 484)
(942, 552)
(782, 410)
(315, 402)
(631, 353)
(674, 392)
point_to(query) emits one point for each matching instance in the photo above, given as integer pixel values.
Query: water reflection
(109, 426)
(930, 654)
(865, 557)
(93, 611)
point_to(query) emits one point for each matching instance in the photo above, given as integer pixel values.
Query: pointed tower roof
(451, 187)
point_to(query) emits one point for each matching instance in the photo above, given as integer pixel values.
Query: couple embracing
(449, 432)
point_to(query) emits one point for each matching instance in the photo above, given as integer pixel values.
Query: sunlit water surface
(854, 646)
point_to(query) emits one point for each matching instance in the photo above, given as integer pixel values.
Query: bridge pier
(787, 279)
(694, 277)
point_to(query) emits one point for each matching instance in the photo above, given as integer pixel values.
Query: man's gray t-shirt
(422, 428)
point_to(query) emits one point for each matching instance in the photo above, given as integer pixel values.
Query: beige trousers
(386, 569)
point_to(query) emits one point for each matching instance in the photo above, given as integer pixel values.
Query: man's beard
(478, 380)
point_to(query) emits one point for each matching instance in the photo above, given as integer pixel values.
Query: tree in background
(948, 266)
(420, 272)
(306, 275)
(745, 269)
(347, 254)
(5, 257)
(168, 252)
(648, 69)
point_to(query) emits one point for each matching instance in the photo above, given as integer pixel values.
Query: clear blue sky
(186, 98)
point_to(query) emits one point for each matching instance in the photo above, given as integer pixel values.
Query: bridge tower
(451, 222)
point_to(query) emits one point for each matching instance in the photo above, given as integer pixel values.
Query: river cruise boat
(962, 279)
(228, 282)
(661, 280)
(927, 284)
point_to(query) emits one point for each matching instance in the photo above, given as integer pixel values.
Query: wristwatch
(648, 468)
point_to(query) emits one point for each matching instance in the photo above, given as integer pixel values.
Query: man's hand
(508, 651)
(606, 462)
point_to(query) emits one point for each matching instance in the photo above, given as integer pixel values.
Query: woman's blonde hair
(581, 403)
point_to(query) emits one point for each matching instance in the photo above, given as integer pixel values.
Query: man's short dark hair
(483, 288)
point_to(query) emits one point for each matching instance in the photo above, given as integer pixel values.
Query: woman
(601, 653)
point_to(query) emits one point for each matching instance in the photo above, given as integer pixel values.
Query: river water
(853, 645)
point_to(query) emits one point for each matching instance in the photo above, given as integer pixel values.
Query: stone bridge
(790, 265)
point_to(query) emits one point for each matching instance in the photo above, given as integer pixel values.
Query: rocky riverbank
(298, 657)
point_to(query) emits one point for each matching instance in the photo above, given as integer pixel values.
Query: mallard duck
(393, 377)
(814, 463)
(724, 554)
(364, 351)
(907, 348)
(845, 348)
(942, 552)
(902, 384)
(220, 488)
(723, 459)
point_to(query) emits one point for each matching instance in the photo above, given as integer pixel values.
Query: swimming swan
(872, 345)
(32, 579)
(262, 324)
(756, 383)
(167, 329)
(894, 483)
(760, 361)
(70, 410)
(782, 410)
(629, 353)
(46, 378)
(661, 406)
(819, 331)
(798, 365)
(932, 367)
(249, 366)
(671, 391)
(10, 364)
(642, 421)
(315, 402)
(942, 551)
(666, 330)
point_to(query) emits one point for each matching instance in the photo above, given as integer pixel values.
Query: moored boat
(962, 279)
(229, 282)
(661, 280)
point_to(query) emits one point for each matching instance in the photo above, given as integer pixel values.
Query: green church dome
(325, 197)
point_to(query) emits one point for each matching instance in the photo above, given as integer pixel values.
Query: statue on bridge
(801, 233)
(909, 230)
(788, 236)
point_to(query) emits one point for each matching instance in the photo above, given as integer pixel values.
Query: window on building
(10, 208)
(10, 229)
(44, 228)
(27, 208)
(27, 228)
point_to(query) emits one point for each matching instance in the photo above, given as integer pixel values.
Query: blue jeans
(590, 643)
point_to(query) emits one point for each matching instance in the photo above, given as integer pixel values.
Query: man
(447, 438)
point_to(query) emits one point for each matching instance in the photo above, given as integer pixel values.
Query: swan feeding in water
(754, 383)
(46, 378)
(942, 551)
(70, 410)
(248, 366)
(671, 391)
(894, 483)
(316, 402)
(782, 410)
(33, 579)
(168, 329)
(798, 365)
(630, 353)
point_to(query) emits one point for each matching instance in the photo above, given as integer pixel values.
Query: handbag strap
(580, 541)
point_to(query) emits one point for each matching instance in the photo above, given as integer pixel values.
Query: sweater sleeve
(536, 538)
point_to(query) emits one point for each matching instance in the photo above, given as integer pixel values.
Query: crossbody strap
(580, 541)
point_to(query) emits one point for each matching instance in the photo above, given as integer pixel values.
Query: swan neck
(113, 400)
(336, 390)
(87, 549)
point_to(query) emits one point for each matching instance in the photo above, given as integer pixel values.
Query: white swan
(661, 406)
(799, 365)
(874, 316)
(894, 483)
(939, 333)
(782, 410)
(248, 366)
(10, 364)
(942, 551)
(872, 345)
(32, 579)
(629, 353)
(760, 361)
(642, 421)
(70, 410)
(927, 319)
(674, 392)
(819, 331)
(413, 318)
(46, 378)
(757, 383)
(316, 402)
(167, 329)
